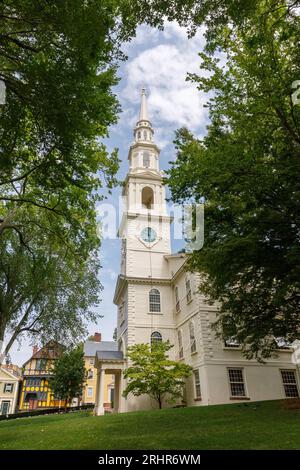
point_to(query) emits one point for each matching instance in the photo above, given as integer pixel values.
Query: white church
(158, 300)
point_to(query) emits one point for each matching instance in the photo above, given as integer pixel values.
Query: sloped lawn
(264, 425)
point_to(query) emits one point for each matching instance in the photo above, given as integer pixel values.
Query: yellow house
(90, 389)
(9, 389)
(36, 392)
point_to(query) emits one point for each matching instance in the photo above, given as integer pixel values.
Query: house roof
(9, 374)
(90, 348)
(51, 350)
(110, 355)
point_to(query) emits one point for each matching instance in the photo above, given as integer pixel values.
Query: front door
(33, 403)
(5, 405)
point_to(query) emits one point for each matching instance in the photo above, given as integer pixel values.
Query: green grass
(264, 425)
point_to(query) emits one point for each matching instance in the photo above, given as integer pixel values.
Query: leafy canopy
(153, 373)
(247, 168)
(69, 375)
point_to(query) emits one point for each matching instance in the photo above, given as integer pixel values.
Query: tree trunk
(159, 403)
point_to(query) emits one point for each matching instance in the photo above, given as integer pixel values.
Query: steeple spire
(143, 131)
(143, 110)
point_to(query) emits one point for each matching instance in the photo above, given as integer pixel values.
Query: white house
(9, 389)
(158, 300)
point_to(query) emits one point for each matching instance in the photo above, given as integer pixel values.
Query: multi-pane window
(90, 374)
(177, 299)
(192, 337)
(33, 382)
(154, 301)
(156, 337)
(236, 382)
(92, 361)
(146, 159)
(145, 135)
(231, 343)
(197, 383)
(41, 364)
(289, 383)
(8, 387)
(90, 392)
(180, 345)
(188, 290)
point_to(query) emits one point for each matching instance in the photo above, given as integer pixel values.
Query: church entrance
(109, 368)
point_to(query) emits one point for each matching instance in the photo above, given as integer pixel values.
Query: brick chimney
(35, 349)
(97, 337)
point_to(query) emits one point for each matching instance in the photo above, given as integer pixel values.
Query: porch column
(100, 401)
(117, 392)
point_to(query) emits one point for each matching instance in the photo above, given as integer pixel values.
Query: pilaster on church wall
(131, 336)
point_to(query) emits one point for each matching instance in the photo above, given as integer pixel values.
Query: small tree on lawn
(69, 375)
(153, 373)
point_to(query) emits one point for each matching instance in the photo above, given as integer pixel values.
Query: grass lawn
(264, 425)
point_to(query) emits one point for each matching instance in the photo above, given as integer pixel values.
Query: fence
(47, 411)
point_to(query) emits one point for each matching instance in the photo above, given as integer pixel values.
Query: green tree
(247, 170)
(153, 373)
(68, 376)
(47, 289)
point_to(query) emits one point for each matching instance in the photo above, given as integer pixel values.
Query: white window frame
(9, 407)
(89, 392)
(177, 301)
(289, 383)
(180, 344)
(232, 343)
(188, 290)
(92, 361)
(90, 374)
(193, 343)
(9, 385)
(156, 337)
(154, 301)
(237, 382)
(197, 384)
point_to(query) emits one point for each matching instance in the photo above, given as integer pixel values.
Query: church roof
(90, 348)
(110, 355)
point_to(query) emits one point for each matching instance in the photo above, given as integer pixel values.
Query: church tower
(143, 292)
(145, 224)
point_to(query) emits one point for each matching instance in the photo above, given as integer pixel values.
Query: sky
(158, 61)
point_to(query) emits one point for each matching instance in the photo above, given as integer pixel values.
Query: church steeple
(143, 131)
(143, 109)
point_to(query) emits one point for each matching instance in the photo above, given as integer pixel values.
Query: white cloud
(173, 101)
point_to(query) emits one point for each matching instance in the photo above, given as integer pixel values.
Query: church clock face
(148, 235)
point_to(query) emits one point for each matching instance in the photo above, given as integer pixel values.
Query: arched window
(154, 301)
(147, 198)
(145, 135)
(192, 337)
(156, 337)
(139, 134)
(146, 159)
(180, 345)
